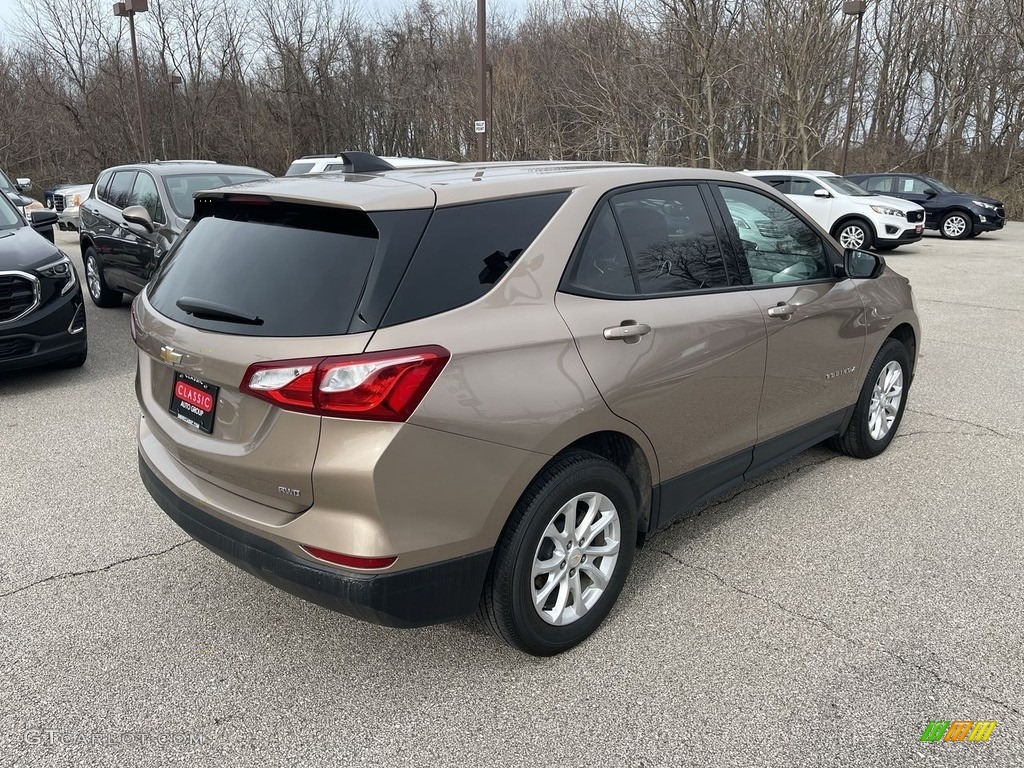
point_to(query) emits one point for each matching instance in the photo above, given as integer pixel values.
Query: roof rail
(358, 162)
(184, 162)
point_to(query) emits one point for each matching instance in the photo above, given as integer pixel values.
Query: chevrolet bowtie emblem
(168, 355)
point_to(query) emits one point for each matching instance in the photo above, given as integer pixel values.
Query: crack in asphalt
(964, 421)
(976, 306)
(742, 491)
(72, 574)
(846, 638)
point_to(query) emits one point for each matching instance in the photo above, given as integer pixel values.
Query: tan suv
(410, 395)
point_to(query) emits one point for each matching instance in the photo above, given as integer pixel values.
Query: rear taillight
(351, 561)
(380, 386)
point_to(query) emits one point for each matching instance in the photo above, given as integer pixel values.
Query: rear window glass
(182, 188)
(274, 263)
(465, 251)
(297, 169)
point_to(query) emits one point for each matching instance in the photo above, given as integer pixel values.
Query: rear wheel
(879, 409)
(956, 226)
(564, 556)
(101, 295)
(854, 233)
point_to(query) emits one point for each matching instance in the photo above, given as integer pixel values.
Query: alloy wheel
(575, 558)
(885, 400)
(851, 236)
(954, 226)
(92, 277)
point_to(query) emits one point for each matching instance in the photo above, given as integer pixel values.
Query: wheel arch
(905, 334)
(847, 218)
(84, 243)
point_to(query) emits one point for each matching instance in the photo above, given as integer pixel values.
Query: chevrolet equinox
(414, 394)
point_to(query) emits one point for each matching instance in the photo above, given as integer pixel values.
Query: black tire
(956, 225)
(973, 235)
(506, 605)
(854, 230)
(101, 295)
(857, 440)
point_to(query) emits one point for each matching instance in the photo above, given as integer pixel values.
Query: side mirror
(42, 222)
(819, 192)
(42, 218)
(930, 193)
(22, 183)
(862, 265)
(138, 216)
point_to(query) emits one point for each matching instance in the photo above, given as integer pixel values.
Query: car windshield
(940, 186)
(182, 188)
(844, 186)
(9, 218)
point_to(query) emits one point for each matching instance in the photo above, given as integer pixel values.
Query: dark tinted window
(272, 264)
(144, 193)
(182, 188)
(799, 186)
(101, 185)
(465, 251)
(120, 189)
(778, 245)
(670, 239)
(881, 184)
(602, 266)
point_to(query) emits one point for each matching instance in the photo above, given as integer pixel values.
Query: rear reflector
(350, 561)
(380, 386)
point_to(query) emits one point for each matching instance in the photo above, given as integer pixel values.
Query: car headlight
(74, 201)
(888, 211)
(984, 205)
(60, 270)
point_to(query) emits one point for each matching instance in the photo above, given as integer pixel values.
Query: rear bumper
(410, 598)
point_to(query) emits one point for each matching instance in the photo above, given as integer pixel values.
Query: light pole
(481, 126)
(129, 8)
(172, 81)
(852, 8)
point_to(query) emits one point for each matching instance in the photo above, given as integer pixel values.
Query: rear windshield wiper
(208, 310)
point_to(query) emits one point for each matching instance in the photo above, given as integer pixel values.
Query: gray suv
(135, 213)
(414, 394)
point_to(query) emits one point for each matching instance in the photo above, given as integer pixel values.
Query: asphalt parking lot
(818, 616)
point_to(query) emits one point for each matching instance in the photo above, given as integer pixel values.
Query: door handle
(628, 331)
(782, 309)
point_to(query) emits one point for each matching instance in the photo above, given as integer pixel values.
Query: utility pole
(481, 127)
(852, 8)
(129, 8)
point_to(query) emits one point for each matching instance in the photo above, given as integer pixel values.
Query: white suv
(855, 217)
(342, 161)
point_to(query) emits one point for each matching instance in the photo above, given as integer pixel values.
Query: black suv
(134, 214)
(42, 317)
(957, 215)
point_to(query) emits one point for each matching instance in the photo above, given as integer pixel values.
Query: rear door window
(670, 239)
(120, 189)
(278, 270)
(881, 184)
(465, 251)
